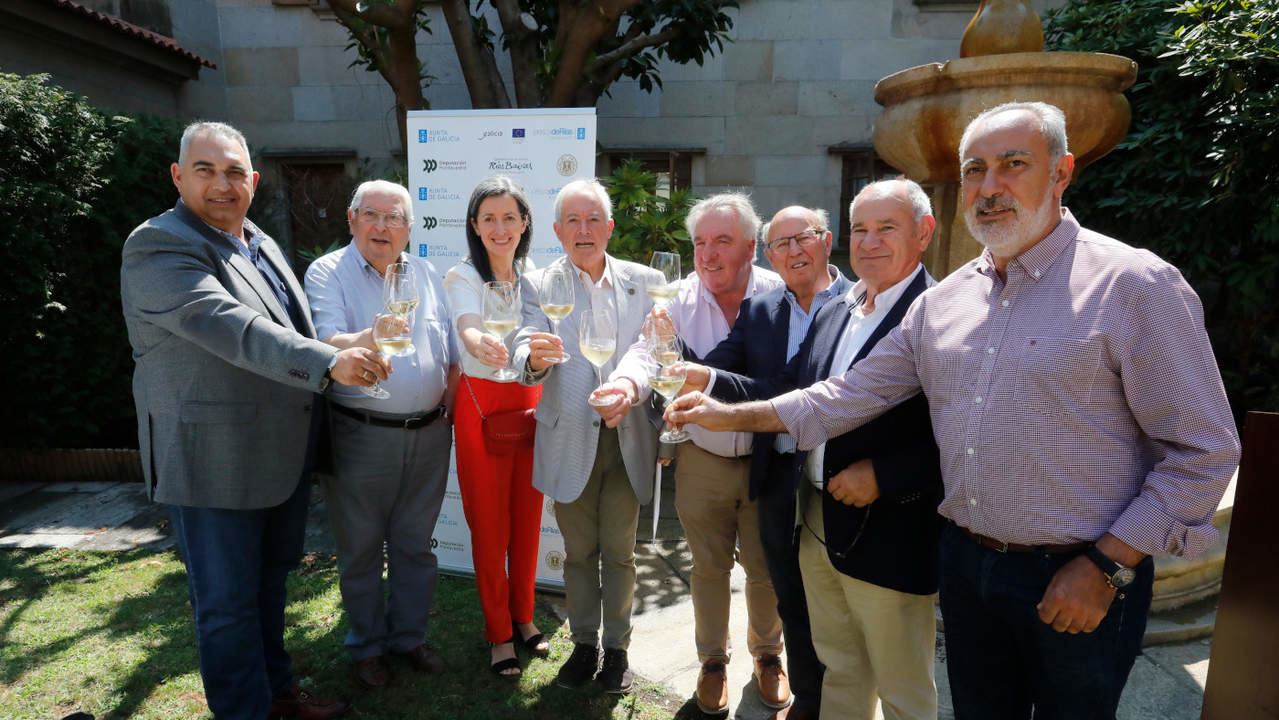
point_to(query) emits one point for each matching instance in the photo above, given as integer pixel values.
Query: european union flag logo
(581, 133)
(422, 194)
(422, 136)
(517, 132)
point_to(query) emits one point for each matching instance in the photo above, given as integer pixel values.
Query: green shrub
(1194, 179)
(645, 222)
(73, 183)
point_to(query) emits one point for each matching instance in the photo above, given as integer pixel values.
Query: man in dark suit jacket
(227, 371)
(868, 499)
(769, 330)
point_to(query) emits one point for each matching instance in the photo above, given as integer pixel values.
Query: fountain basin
(926, 108)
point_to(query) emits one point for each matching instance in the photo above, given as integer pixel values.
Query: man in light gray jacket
(227, 371)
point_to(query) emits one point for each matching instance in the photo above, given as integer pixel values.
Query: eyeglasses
(394, 219)
(802, 239)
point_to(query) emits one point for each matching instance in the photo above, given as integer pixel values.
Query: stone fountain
(925, 111)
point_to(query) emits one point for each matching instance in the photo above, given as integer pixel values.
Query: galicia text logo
(436, 194)
(436, 251)
(490, 133)
(437, 136)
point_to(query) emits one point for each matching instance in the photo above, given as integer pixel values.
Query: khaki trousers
(712, 497)
(599, 547)
(873, 641)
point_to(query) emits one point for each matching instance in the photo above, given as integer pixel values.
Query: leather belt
(1006, 547)
(409, 423)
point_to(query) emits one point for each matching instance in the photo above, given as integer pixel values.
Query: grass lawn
(111, 634)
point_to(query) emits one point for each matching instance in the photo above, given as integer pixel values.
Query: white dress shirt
(465, 290)
(861, 325)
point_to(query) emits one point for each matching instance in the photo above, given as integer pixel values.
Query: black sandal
(500, 667)
(531, 642)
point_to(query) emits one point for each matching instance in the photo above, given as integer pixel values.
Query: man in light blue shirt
(391, 456)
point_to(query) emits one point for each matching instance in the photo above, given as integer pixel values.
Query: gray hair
(216, 129)
(920, 205)
(1052, 125)
(384, 186)
(823, 223)
(589, 185)
(739, 203)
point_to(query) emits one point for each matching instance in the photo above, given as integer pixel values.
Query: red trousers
(502, 509)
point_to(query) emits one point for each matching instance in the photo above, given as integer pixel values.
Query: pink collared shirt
(1079, 397)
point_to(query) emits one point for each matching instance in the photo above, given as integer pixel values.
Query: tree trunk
(479, 68)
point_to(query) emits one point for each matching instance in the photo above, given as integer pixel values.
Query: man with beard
(1081, 421)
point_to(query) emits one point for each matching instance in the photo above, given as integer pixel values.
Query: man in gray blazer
(598, 468)
(227, 369)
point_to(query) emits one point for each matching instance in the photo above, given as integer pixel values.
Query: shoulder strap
(466, 379)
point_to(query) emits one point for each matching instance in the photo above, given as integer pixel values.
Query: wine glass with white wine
(393, 337)
(666, 378)
(400, 293)
(556, 299)
(597, 340)
(501, 315)
(664, 292)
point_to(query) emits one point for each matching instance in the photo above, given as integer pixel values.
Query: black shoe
(580, 666)
(615, 676)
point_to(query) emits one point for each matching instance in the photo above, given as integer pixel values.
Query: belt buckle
(999, 546)
(408, 421)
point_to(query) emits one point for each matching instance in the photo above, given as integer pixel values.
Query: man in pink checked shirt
(1081, 421)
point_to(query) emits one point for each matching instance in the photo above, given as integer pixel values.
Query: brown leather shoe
(774, 686)
(298, 703)
(373, 672)
(425, 659)
(712, 688)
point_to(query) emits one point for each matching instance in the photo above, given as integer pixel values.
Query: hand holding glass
(556, 299)
(501, 315)
(399, 292)
(666, 374)
(597, 339)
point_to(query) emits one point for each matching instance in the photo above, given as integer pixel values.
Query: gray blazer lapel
(255, 280)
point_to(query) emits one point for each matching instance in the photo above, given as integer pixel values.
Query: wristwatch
(328, 374)
(1117, 576)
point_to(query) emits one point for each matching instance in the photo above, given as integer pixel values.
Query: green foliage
(73, 183)
(645, 222)
(1192, 181)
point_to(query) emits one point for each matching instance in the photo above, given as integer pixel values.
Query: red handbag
(504, 432)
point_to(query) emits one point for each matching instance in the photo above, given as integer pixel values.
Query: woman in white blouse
(502, 509)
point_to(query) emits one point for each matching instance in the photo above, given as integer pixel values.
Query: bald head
(797, 244)
(892, 225)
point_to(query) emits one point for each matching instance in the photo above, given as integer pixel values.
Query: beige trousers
(872, 640)
(599, 548)
(721, 524)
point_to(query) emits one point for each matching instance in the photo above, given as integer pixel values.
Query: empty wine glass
(668, 265)
(556, 299)
(597, 340)
(501, 315)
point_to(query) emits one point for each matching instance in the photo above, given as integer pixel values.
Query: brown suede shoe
(425, 659)
(373, 672)
(712, 688)
(298, 703)
(774, 686)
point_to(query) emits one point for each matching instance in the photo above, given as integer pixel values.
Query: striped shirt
(1079, 397)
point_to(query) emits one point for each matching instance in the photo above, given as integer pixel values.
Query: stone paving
(1166, 683)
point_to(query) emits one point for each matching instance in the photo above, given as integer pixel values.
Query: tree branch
(479, 68)
(523, 48)
(387, 16)
(581, 28)
(631, 47)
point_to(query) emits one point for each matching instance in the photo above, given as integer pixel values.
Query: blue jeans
(237, 562)
(777, 530)
(1005, 663)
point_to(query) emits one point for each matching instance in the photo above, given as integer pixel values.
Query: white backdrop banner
(449, 153)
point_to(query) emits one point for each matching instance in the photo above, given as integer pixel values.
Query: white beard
(1005, 238)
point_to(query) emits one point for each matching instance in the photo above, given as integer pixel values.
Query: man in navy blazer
(769, 330)
(868, 499)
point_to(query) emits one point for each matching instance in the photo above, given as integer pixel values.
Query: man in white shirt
(712, 471)
(868, 498)
(391, 456)
(598, 470)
